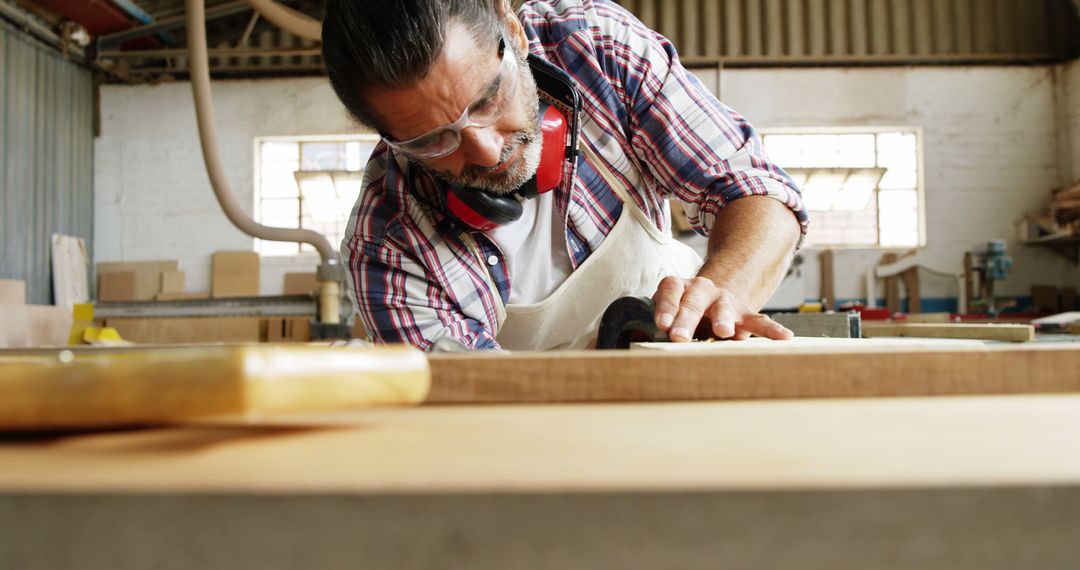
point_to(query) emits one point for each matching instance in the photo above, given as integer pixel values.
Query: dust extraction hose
(296, 23)
(330, 273)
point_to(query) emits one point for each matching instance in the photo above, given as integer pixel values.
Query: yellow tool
(90, 389)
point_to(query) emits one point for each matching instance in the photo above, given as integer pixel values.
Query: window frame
(920, 175)
(257, 198)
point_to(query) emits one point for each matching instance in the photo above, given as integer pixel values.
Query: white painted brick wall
(1069, 114)
(153, 199)
(991, 152)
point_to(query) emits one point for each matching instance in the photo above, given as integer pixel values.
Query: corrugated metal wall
(754, 32)
(46, 158)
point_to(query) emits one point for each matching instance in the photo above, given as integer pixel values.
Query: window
(308, 182)
(863, 188)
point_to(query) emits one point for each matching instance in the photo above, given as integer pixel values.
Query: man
(454, 242)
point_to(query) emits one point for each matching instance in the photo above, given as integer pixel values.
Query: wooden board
(27, 326)
(147, 275)
(759, 368)
(172, 281)
(958, 483)
(69, 270)
(234, 274)
(301, 283)
(901, 442)
(186, 330)
(108, 389)
(116, 286)
(12, 292)
(999, 332)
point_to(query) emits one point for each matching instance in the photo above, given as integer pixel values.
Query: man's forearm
(751, 245)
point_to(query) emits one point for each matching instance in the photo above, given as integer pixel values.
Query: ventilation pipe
(330, 273)
(296, 23)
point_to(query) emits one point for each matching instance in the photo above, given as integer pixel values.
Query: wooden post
(828, 289)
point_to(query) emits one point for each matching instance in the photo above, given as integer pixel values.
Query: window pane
(266, 247)
(278, 187)
(280, 209)
(322, 156)
(272, 151)
(784, 150)
(856, 151)
(901, 179)
(899, 228)
(898, 200)
(820, 150)
(897, 151)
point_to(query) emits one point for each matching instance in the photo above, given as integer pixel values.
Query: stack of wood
(1066, 209)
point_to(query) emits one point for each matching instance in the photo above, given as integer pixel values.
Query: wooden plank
(882, 483)
(892, 286)
(69, 263)
(109, 389)
(820, 368)
(685, 446)
(828, 288)
(12, 292)
(234, 274)
(147, 275)
(911, 287)
(27, 326)
(116, 286)
(1001, 332)
(185, 330)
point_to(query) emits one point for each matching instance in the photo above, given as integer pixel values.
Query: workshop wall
(990, 144)
(1068, 95)
(155, 200)
(46, 161)
(990, 139)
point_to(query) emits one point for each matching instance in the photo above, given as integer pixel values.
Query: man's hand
(684, 304)
(750, 248)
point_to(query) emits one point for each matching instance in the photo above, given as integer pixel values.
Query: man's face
(498, 158)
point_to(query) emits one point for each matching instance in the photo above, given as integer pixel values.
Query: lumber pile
(1065, 208)
(1061, 219)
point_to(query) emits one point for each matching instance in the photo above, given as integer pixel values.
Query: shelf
(1067, 246)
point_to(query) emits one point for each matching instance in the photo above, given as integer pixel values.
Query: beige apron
(631, 260)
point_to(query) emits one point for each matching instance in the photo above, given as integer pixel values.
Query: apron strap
(622, 192)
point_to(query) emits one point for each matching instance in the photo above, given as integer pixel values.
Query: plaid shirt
(416, 273)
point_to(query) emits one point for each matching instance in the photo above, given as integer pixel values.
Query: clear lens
(482, 112)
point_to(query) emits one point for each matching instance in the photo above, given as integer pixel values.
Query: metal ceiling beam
(37, 29)
(213, 52)
(212, 13)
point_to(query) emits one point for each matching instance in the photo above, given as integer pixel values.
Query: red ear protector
(484, 211)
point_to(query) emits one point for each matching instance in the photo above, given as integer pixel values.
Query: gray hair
(370, 45)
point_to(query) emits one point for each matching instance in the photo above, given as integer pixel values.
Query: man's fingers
(762, 325)
(668, 294)
(723, 317)
(699, 295)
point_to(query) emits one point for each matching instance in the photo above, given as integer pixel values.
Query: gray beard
(503, 183)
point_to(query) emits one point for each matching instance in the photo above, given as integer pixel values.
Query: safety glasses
(484, 110)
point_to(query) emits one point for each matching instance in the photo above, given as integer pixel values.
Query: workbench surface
(958, 482)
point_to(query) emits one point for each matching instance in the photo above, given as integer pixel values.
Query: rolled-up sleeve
(694, 147)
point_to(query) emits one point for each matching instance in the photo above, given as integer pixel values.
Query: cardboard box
(147, 275)
(172, 281)
(175, 330)
(13, 291)
(301, 283)
(116, 286)
(235, 274)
